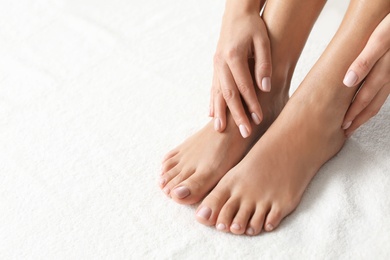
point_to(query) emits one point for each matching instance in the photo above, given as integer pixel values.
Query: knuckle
(228, 94)
(363, 64)
(232, 53)
(242, 87)
(265, 66)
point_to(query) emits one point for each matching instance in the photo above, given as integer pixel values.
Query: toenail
(162, 181)
(181, 192)
(217, 124)
(221, 226)
(236, 226)
(166, 190)
(204, 212)
(347, 125)
(255, 118)
(243, 131)
(269, 227)
(250, 231)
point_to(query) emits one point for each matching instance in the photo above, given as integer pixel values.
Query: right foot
(193, 168)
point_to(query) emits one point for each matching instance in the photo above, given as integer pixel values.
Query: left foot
(268, 183)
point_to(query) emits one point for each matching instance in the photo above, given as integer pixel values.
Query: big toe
(194, 188)
(207, 212)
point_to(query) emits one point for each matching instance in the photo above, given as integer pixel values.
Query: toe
(169, 164)
(169, 155)
(273, 218)
(228, 212)
(241, 219)
(255, 224)
(207, 212)
(198, 185)
(168, 176)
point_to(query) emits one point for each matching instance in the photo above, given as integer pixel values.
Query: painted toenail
(217, 124)
(350, 79)
(162, 181)
(269, 227)
(204, 212)
(181, 192)
(243, 131)
(221, 226)
(255, 118)
(347, 125)
(236, 226)
(166, 190)
(266, 84)
(250, 231)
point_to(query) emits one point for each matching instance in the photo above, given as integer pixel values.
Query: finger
(214, 87)
(220, 112)
(263, 64)
(376, 80)
(376, 47)
(370, 111)
(233, 99)
(243, 79)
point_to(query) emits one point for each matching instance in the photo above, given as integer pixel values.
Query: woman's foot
(192, 169)
(268, 183)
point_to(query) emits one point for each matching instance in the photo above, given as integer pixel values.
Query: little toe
(255, 224)
(207, 212)
(273, 218)
(241, 219)
(168, 176)
(228, 212)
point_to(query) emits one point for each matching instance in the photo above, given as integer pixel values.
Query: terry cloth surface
(93, 93)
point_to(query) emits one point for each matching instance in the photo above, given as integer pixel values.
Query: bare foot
(269, 182)
(192, 169)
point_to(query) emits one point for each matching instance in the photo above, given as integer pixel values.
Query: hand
(373, 67)
(243, 36)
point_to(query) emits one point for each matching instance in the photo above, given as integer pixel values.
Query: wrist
(244, 6)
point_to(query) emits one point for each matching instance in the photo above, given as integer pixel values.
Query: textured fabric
(93, 93)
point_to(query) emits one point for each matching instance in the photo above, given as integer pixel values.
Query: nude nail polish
(204, 213)
(243, 131)
(221, 226)
(347, 125)
(350, 79)
(255, 118)
(266, 84)
(269, 227)
(250, 231)
(181, 192)
(217, 124)
(236, 226)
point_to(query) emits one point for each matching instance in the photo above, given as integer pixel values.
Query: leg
(192, 169)
(268, 183)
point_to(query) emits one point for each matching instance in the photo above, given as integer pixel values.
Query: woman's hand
(373, 67)
(243, 36)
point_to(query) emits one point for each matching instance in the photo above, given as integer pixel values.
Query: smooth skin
(372, 68)
(192, 169)
(268, 183)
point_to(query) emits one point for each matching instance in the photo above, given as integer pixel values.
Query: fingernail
(162, 181)
(243, 131)
(266, 84)
(217, 124)
(350, 79)
(255, 118)
(181, 192)
(204, 212)
(269, 227)
(236, 226)
(250, 231)
(346, 125)
(221, 226)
